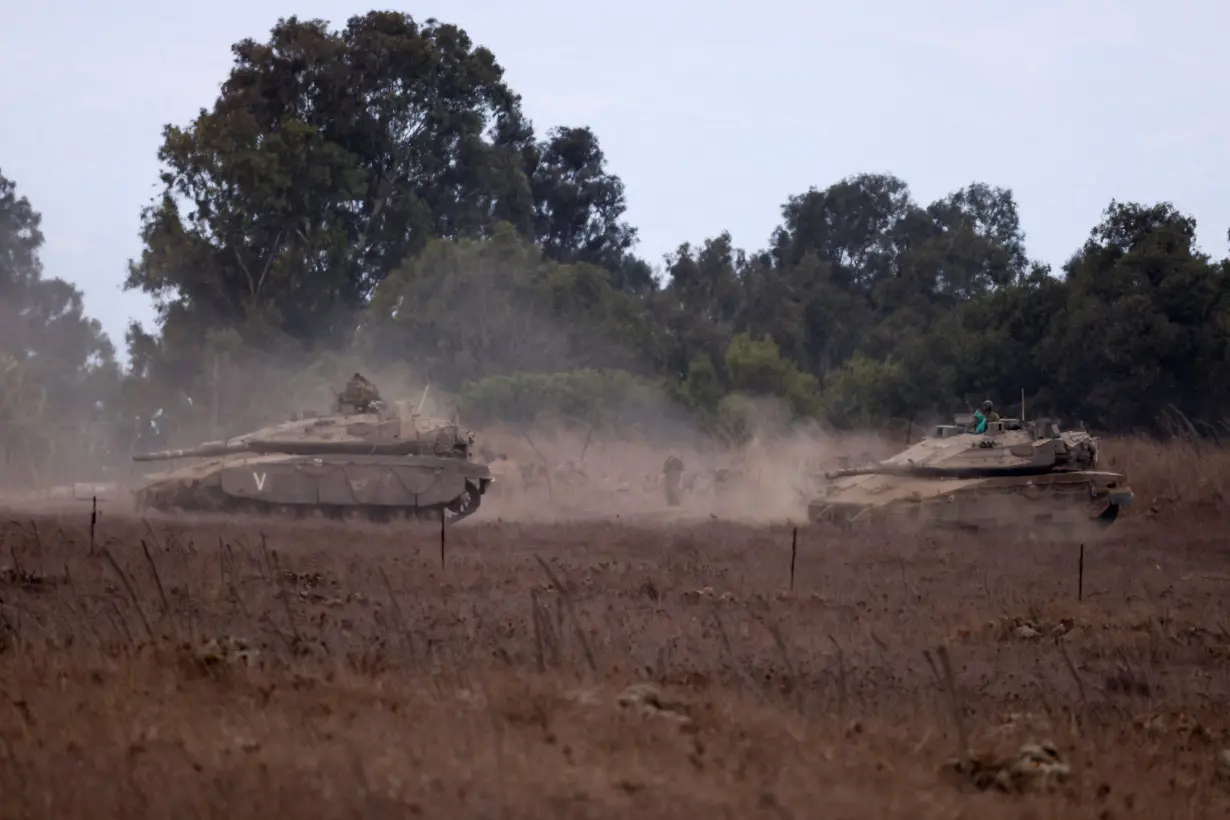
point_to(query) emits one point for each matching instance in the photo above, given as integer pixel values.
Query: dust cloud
(546, 473)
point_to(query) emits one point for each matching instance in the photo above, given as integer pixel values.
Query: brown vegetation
(1182, 478)
(190, 667)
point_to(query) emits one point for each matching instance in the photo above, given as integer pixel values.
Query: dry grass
(1180, 478)
(383, 684)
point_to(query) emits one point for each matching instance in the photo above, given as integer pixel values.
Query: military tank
(1015, 473)
(367, 458)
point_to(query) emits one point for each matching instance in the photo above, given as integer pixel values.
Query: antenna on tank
(423, 400)
(1022, 405)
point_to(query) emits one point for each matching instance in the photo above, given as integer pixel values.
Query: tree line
(374, 196)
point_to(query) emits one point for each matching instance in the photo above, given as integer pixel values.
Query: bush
(588, 397)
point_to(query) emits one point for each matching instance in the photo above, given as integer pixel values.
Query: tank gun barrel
(850, 472)
(886, 469)
(215, 448)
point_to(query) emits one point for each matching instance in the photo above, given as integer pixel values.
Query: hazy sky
(712, 113)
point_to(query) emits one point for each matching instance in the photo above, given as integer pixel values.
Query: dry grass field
(252, 668)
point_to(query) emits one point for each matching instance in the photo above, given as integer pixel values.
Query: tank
(367, 458)
(1028, 474)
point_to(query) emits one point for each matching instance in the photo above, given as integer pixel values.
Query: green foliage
(470, 308)
(864, 392)
(610, 398)
(702, 389)
(578, 205)
(756, 367)
(1144, 325)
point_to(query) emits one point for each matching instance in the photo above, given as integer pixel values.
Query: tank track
(187, 500)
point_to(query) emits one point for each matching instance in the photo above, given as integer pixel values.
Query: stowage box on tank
(375, 459)
(1024, 473)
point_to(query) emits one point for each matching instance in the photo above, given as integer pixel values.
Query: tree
(864, 392)
(695, 314)
(468, 309)
(331, 159)
(328, 158)
(756, 367)
(851, 225)
(1144, 324)
(57, 367)
(977, 244)
(578, 206)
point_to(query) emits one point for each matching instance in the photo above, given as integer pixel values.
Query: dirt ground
(252, 668)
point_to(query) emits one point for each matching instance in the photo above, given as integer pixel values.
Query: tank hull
(375, 487)
(1064, 501)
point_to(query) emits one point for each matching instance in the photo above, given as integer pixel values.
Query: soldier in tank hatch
(983, 415)
(360, 393)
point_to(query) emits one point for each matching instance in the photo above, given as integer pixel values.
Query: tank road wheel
(426, 515)
(1081, 514)
(292, 512)
(380, 515)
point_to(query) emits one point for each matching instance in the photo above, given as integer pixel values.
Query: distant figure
(673, 470)
(360, 393)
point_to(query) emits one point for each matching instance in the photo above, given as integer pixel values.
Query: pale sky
(712, 113)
